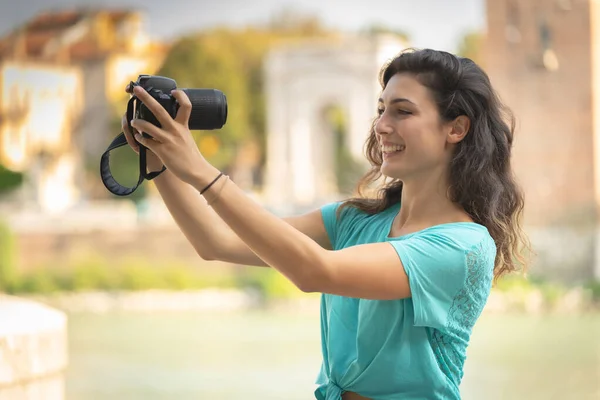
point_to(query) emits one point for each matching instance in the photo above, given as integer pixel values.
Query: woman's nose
(381, 127)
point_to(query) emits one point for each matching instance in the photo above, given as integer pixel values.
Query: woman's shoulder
(471, 240)
(346, 209)
(345, 221)
(465, 234)
(452, 240)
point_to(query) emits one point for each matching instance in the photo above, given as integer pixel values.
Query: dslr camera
(209, 112)
(209, 106)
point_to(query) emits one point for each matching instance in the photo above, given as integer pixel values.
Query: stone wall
(55, 249)
(33, 350)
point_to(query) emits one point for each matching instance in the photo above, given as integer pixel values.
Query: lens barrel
(209, 109)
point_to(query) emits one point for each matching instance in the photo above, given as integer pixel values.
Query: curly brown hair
(481, 178)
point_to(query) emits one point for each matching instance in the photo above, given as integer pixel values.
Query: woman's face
(412, 137)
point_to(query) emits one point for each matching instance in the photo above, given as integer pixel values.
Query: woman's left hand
(173, 143)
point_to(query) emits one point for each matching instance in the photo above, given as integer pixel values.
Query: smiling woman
(404, 275)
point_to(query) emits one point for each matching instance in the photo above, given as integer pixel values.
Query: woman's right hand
(153, 163)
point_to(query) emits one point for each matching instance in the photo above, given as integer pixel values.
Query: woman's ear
(459, 129)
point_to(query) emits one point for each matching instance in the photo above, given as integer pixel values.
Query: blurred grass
(139, 274)
(129, 275)
(94, 273)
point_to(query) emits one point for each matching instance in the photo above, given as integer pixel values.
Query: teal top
(412, 348)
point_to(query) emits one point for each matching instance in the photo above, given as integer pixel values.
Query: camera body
(209, 106)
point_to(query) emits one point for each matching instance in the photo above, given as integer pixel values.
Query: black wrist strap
(106, 175)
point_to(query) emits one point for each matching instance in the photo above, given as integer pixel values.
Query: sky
(437, 24)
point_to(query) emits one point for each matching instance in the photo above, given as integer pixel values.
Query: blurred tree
(232, 61)
(209, 60)
(471, 46)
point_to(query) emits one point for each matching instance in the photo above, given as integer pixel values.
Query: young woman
(404, 274)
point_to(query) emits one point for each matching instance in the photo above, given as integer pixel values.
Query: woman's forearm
(276, 242)
(198, 222)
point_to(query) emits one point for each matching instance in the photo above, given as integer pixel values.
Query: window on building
(549, 58)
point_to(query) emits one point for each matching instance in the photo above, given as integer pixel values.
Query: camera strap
(107, 178)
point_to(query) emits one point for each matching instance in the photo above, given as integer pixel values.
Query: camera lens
(209, 109)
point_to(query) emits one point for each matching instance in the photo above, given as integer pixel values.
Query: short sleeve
(436, 267)
(328, 212)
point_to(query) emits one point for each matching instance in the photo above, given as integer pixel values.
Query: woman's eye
(400, 112)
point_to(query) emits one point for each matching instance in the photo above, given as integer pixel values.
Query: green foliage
(91, 274)
(552, 292)
(347, 169)
(514, 282)
(129, 275)
(136, 274)
(269, 283)
(8, 271)
(9, 180)
(594, 289)
(40, 282)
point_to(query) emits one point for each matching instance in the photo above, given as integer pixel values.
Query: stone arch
(303, 80)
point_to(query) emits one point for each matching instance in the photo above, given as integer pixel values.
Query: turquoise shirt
(412, 348)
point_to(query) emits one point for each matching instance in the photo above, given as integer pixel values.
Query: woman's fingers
(158, 135)
(155, 108)
(185, 107)
(147, 142)
(129, 135)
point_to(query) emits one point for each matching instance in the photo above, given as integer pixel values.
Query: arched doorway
(307, 85)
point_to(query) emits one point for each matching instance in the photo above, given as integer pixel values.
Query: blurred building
(544, 58)
(62, 80)
(305, 82)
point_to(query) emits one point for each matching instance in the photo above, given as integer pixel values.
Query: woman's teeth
(392, 149)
